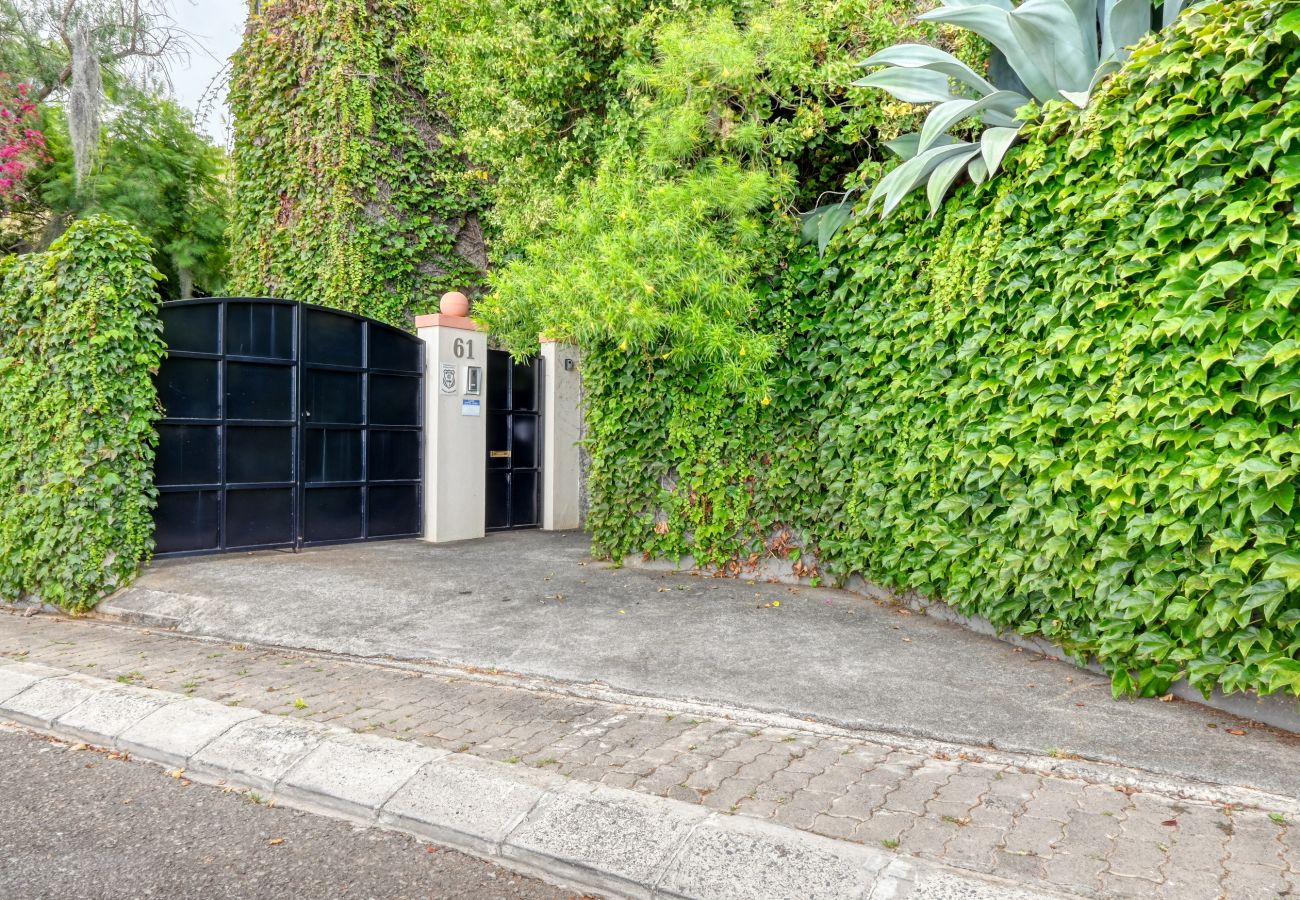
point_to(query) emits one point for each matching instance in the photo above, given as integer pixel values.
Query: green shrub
(79, 339)
(543, 92)
(1068, 403)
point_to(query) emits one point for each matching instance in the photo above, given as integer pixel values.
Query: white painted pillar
(561, 431)
(455, 424)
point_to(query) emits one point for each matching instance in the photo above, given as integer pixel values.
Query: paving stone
(1127, 886)
(1099, 799)
(802, 811)
(974, 847)
(964, 789)
(1255, 840)
(1075, 871)
(1246, 881)
(1139, 853)
(1191, 885)
(1090, 834)
(927, 837)
(1034, 836)
(911, 796)
(1019, 866)
(836, 827)
(884, 825)
(1015, 785)
(1054, 800)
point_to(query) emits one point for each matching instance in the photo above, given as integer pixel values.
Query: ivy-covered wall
(79, 339)
(1068, 403)
(345, 194)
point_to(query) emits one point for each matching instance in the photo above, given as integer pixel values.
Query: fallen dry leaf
(1172, 823)
(1237, 731)
(275, 842)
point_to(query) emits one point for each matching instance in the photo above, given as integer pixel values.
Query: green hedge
(79, 338)
(1067, 404)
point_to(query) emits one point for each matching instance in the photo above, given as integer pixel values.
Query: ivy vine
(79, 339)
(346, 193)
(1067, 404)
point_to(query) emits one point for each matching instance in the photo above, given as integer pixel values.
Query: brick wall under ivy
(79, 339)
(1068, 403)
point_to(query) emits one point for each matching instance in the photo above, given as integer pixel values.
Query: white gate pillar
(561, 431)
(455, 423)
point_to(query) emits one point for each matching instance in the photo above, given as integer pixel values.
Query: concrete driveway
(535, 603)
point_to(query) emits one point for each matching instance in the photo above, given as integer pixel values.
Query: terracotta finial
(454, 303)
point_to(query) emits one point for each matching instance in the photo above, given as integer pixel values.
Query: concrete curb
(589, 836)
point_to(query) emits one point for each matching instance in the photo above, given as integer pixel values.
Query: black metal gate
(286, 425)
(514, 484)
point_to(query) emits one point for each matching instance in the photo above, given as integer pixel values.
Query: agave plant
(1054, 49)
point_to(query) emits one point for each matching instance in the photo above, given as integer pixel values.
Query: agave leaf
(1049, 34)
(978, 170)
(994, 25)
(904, 179)
(1085, 15)
(1107, 68)
(828, 220)
(1170, 10)
(812, 218)
(944, 174)
(994, 144)
(810, 222)
(1002, 120)
(910, 85)
(1078, 98)
(920, 56)
(905, 146)
(1124, 24)
(1000, 4)
(945, 115)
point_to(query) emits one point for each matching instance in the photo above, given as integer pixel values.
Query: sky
(215, 27)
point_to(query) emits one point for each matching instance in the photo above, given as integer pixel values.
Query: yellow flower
(767, 401)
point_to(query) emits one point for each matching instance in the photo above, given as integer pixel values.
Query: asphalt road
(78, 823)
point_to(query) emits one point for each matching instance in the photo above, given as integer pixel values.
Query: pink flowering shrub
(22, 145)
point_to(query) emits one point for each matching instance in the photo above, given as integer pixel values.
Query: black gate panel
(514, 483)
(285, 425)
(361, 419)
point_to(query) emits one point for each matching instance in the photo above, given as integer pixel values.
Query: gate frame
(297, 483)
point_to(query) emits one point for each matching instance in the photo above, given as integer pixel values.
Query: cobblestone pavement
(1012, 817)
